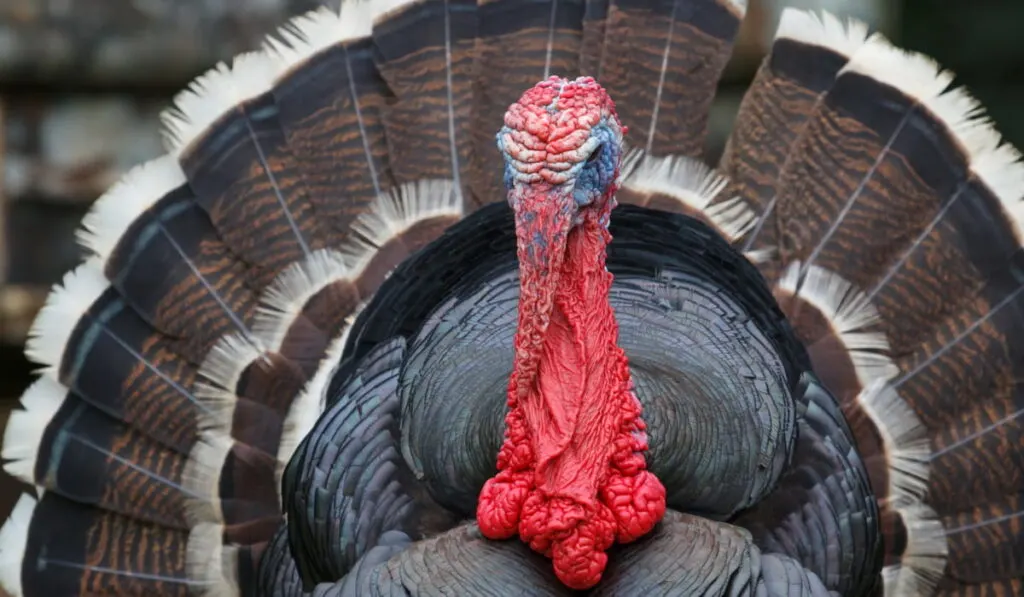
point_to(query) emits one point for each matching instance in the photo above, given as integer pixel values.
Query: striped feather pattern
(660, 62)
(807, 54)
(894, 210)
(191, 356)
(546, 38)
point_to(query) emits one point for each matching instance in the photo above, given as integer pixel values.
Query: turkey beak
(544, 217)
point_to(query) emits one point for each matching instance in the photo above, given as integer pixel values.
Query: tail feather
(68, 548)
(92, 343)
(187, 358)
(331, 101)
(895, 210)
(62, 445)
(592, 46)
(808, 52)
(995, 527)
(661, 61)
(227, 136)
(158, 251)
(684, 185)
(424, 51)
(545, 37)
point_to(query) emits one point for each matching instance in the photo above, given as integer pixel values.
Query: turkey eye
(595, 154)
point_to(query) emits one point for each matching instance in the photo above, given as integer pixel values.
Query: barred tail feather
(902, 193)
(189, 355)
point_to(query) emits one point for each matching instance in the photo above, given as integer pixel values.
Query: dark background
(82, 83)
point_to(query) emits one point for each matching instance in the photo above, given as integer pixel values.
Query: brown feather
(313, 169)
(888, 277)
(661, 62)
(425, 54)
(801, 66)
(546, 39)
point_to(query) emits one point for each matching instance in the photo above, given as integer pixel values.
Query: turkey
(373, 327)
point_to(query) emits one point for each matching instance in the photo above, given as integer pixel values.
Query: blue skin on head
(592, 177)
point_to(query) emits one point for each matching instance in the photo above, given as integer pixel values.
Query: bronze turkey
(439, 298)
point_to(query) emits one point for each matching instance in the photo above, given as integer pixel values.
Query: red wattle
(572, 476)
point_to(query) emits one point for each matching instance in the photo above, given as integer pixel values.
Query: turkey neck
(571, 379)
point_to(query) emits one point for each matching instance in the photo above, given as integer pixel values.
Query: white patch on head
(851, 315)
(691, 183)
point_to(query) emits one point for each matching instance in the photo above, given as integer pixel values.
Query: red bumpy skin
(572, 477)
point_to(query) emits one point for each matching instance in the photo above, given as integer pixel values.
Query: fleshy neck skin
(572, 476)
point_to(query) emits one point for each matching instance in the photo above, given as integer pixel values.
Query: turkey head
(572, 477)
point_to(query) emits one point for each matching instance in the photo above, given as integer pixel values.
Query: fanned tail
(188, 356)
(894, 210)
(808, 52)
(661, 62)
(519, 44)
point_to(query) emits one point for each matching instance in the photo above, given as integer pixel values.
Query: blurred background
(82, 84)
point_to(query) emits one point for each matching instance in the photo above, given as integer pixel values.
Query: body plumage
(335, 342)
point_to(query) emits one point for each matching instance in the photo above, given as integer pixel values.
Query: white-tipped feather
(220, 373)
(822, 29)
(13, 541)
(228, 359)
(692, 184)
(396, 211)
(133, 194)
(218, 407)
(916, 75)
(996, 164)
(201, 477)
(905, 440)
(67, 302)
(924, 558)
(284, 299)
(308, 35)
(999, 166)
(740, 6)
(25, 428)
(209, 563)
(392, 214)
(382, 8)
(310, 403)
(213, 95)
(851, 315)
(759, 256)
